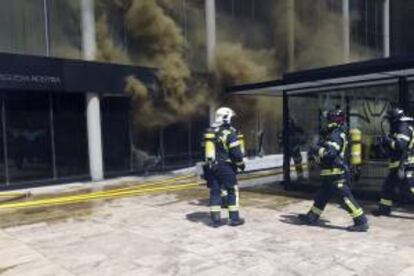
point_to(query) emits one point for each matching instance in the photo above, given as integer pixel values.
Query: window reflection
(115, 132)
(28, 136)
(70, 135)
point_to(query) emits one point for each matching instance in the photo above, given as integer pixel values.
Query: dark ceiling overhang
(24, 72)
(346, 76)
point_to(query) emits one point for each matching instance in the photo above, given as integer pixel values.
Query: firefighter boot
(216, 219)
(382, 210)
(310, 218)
(360, 224)
(235, 219)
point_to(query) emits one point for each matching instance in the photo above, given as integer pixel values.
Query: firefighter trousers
(297, 160)
(336, 185)
(224, 179)
(390, 185)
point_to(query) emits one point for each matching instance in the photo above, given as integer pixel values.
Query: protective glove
(241, 167)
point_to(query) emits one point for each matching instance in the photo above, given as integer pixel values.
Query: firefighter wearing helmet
(330, 153)
(223, 158)
(400, 147)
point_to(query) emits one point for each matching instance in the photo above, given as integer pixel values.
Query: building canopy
(351, 75)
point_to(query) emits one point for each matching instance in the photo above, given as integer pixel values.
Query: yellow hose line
(88, 195)
(152, 184)
(12, 194)
(139, 185)
(146, 184)
(140, 189)
(78, 199)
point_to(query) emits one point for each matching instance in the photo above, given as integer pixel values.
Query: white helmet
(223, 116)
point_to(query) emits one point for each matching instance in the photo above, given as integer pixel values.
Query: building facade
(52, 133)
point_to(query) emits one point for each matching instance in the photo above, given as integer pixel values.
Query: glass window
(176, 144)
(64, 28)
(194, 25)
(2, 158)
(365, 107)
(198, 126)
(401, 21)
(70, 135)
(22, 27)
(28, 136)
(116, 136)
(146, 149)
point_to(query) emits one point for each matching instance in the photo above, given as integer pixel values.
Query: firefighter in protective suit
(223, 158)
(400, 145)
(330, 151)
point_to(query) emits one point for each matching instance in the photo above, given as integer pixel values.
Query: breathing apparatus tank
(209, 146)
(356, 147)
(240, 139)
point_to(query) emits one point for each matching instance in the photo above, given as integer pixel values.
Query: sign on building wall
(22, 72)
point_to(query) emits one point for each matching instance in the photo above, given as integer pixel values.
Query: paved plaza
(168, 234)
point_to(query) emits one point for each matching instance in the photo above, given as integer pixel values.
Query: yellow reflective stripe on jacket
(403, 137)
(334, 171)
(335, 145)
(411, 145)
(410, 160)
(344, 144)
(386, 202)
(223, 138)
(234, 144)
(393, 164)
(321, 152)
(209, 135)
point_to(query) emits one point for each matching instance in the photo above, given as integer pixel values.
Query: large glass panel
(64, 28)
(365, 108)
(2, 163)
(411, 98)
(70, 135)
(194, 26)
(28, 136)
(22, 27)
(116, 136)
(176, 144)
(146, 149)
(402, 18)
(367, 32)
(198, 125)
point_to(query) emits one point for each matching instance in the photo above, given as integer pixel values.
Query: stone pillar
(345, 30)
(93, 112)
(210, 7)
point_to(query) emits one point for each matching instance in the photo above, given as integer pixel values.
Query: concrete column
(210, 8)
(291, 17)
(386, 24)
(93, 113)
(346, 31)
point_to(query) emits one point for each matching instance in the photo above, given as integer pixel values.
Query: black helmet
(394, 114)
(335, 117)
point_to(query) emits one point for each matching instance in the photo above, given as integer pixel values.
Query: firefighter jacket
(225, 146)
(331, 151)
(401, 142)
